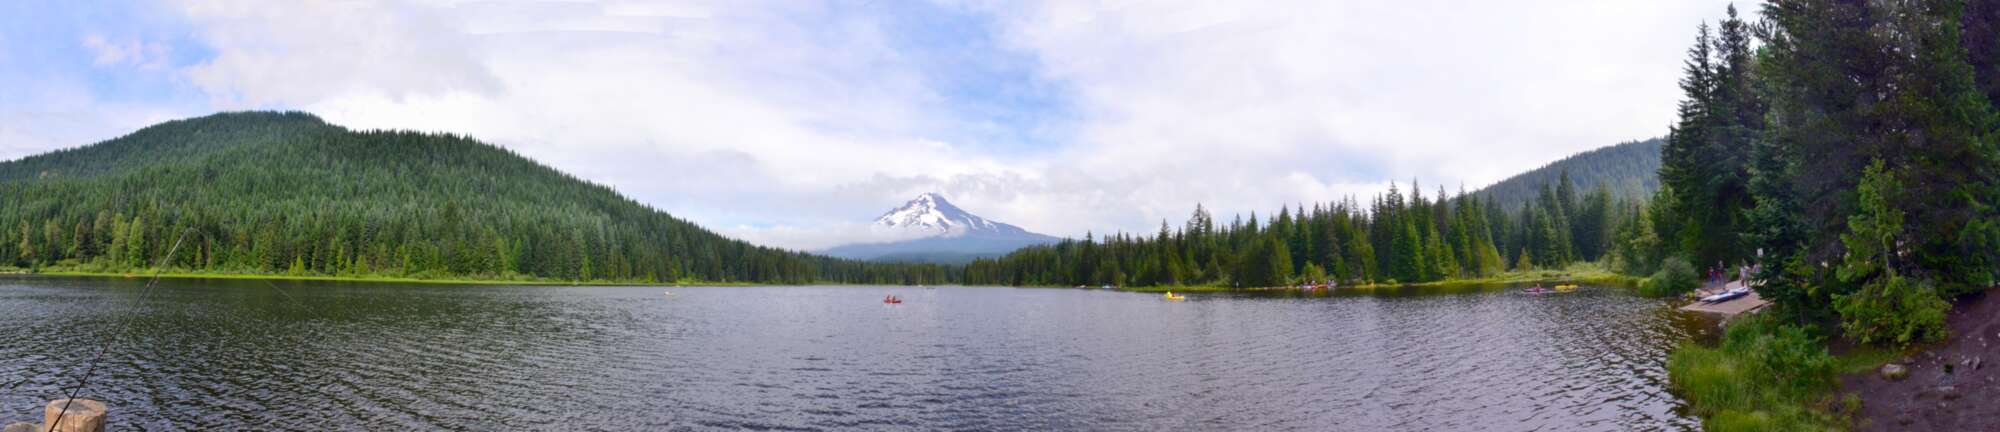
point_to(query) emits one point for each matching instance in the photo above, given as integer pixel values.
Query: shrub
(1791, 358)
(1675, 277)
(1313, 274)
(1893, 310)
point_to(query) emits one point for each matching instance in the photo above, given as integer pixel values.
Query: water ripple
(224, 355)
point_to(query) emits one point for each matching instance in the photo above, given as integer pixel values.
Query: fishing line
(124, 327)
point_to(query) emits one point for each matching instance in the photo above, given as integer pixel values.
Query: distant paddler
(1172, 297)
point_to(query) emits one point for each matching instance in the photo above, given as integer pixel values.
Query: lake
(255, 355)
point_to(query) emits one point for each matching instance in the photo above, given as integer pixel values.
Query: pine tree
(26, 250)
(1887, 308)
(135, 244)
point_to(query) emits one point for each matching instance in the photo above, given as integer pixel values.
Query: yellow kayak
(1565, 287)
(1171, 296)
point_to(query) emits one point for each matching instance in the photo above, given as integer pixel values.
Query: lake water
(252, 355)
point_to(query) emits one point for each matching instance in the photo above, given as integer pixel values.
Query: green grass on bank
(1764, 375)
(183, 274)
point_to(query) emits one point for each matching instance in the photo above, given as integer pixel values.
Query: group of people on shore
(1719, 276)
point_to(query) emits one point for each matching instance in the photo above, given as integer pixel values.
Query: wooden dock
(1740, 305)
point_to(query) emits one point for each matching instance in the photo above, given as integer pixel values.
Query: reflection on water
(236, 355)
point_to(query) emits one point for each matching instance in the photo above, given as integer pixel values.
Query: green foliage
(1764, 376)
(268, 193)
(1787, 354)
(1676, 277)
(1622, 169)
(1405, 238)
(1705, 162)
(1267, 264)
(1888, 308)
(1313, 274)
(1893, 310)
(1638, 248)
(1926, 113)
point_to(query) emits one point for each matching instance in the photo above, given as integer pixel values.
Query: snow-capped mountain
(943, 233)
(931, 212)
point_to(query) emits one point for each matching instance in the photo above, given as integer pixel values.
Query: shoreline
(358, 279)
(1592, 276)
(1589, 276)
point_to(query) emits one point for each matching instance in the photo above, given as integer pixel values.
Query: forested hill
(285, 193)
(1630, 170)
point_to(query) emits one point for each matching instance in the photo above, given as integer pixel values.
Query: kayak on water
(1171, 296)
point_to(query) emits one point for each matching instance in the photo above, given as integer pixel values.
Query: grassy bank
(1764, 375)
(180, 274)
(1581, 273)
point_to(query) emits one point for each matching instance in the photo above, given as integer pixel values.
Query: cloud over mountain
(782, 122)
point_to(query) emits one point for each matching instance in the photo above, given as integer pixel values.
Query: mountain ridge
(287, 193)
(1629, 169)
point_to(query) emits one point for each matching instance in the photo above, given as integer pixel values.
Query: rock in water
(22, 427)
(1894, 372)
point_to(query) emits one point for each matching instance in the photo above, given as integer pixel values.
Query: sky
(794, 123)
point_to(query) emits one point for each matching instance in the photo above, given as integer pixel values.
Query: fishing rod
(123, 327)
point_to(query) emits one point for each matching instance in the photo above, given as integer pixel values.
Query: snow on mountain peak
(930, 228)
(931, 212)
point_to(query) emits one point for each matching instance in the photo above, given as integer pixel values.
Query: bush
(1313, 274)
(1783, 352)
(1893, 310)
(1675, 277)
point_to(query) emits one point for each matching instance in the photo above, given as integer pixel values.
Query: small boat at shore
(1724, 296)
(1565, 287)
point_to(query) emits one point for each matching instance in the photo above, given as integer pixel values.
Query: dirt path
(1950, 388)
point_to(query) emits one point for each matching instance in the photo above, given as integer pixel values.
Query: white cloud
(1248, 105)
(722, 113)
(819, 237)
(300, 53)
(146, 55)
(791, 123)
(61, 111)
